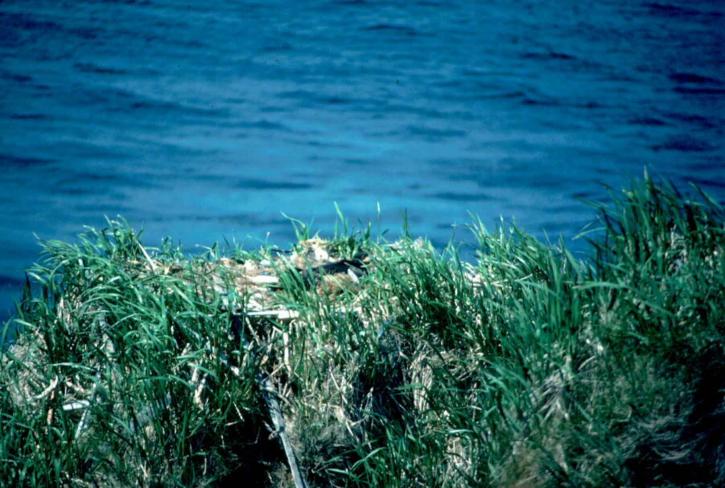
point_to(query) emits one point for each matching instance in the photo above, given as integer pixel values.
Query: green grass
(527, 367)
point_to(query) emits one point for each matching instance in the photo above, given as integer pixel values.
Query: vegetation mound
(357, 362)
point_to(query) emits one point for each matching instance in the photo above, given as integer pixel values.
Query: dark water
(204, 120)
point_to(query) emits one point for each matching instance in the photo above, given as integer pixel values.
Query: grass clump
(394, 364)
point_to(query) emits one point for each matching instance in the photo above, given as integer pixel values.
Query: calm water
(205, 120)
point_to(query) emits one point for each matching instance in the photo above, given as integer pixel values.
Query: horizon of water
(206, 121)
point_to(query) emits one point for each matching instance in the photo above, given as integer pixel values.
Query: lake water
(206, 120)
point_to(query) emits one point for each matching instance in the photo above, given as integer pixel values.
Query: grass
(394, 364)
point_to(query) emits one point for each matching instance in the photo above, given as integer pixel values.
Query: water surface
(205, 120)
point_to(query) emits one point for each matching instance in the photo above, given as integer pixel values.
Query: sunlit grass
(528, 367)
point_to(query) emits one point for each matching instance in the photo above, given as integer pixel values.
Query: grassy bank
(393, 364)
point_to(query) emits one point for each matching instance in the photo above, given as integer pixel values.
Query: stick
(148, 258)
(275, 412)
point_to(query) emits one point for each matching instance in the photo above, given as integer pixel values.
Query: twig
(86, 417)
(47, 391)
(148, 258)
(275, 412)
(277, 314)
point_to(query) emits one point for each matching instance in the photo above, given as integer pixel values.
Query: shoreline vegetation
(358, 362)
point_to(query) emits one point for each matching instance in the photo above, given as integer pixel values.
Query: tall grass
(527, 367)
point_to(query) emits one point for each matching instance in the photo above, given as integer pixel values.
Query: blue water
(205, 120)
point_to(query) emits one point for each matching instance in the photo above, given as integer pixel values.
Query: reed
(390, 364)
